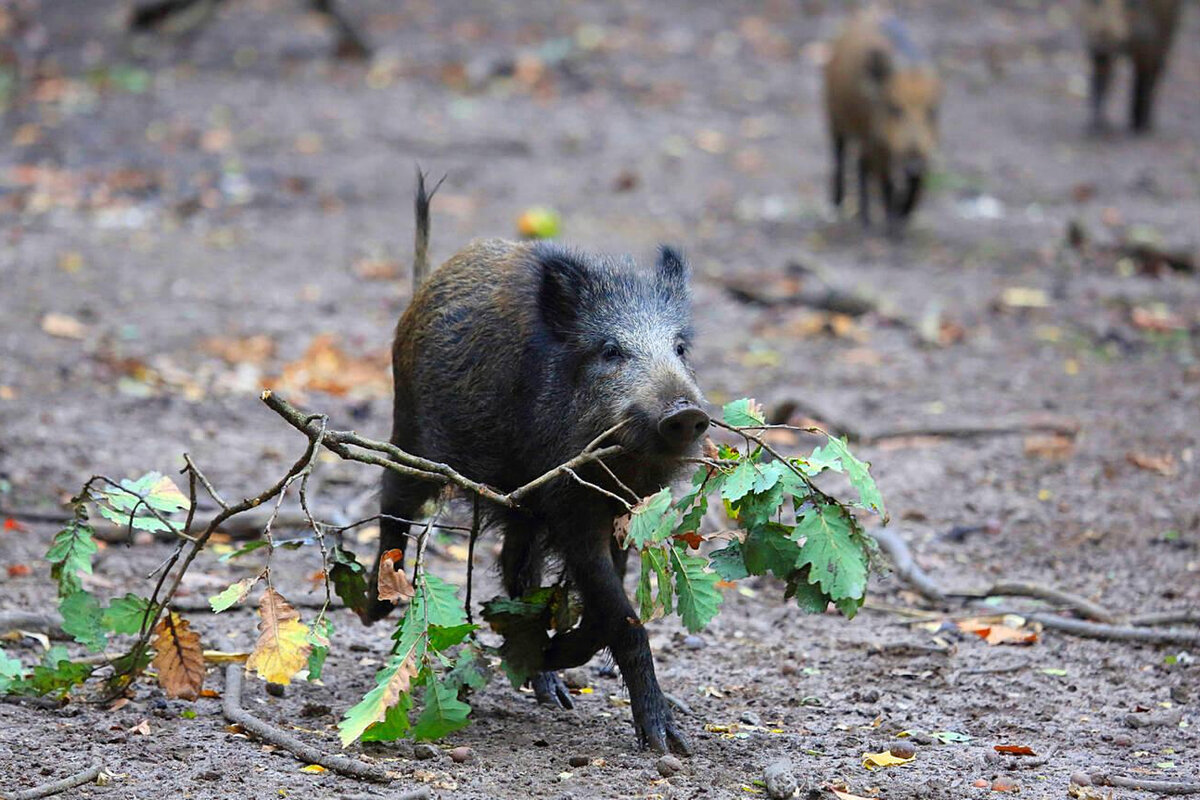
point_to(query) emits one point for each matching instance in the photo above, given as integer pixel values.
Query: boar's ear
(671, 269)
(561, 292)
(879, 66)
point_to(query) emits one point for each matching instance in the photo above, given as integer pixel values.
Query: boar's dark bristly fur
(511, 359)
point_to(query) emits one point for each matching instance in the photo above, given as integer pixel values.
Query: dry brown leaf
(378, 269)
(282, 647)
(179, 658)
(392, 581)
(1053, 446)
(63, 326)
(997, 633)
(842, 794)
(1014, 749)
(1005, 785)
(142, 728)
(1163, 464)
(244, 350)
(326, 367)
(621, 528)
(1157, 320)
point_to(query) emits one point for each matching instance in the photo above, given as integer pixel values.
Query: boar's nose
(682, 424)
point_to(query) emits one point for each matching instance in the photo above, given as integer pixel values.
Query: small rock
(780, 781)
(902, 750)
(579, 761)
(1121, 740)
(1081, 779)
(575, 678)
(869, 696)
(1155, 719)
(276, 689)
(424, 752)
(1180, 694)
(921, 737)
(668, 766)
(750, 718)
(694, 642)
(460, 755)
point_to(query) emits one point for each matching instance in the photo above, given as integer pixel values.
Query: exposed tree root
(233, 712)
(904, 565)
(1143, 785)
(1080, 605)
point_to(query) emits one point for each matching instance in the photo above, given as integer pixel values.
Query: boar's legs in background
(401, 497)
(609, 620)
(1101, 78)
(838, 190)
(864, 189)
(521, 558)
(1141, 105)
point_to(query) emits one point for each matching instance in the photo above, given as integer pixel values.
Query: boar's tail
(421, 207)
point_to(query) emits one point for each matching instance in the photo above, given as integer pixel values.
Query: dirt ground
(163, 192)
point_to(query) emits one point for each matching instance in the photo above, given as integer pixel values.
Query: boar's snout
(682, 423)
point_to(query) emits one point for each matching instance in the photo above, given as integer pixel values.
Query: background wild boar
(881, 95)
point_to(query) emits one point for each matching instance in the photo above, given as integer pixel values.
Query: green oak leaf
(834, 552)
(71, 553)
(443, 713)
(651, 520)
(729, 562)
(232, 594)
(82, 617)
(126, 614)
(742, 413)
(696, 593)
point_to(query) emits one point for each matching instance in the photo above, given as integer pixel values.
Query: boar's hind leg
(864, 193)
(521, 566)
(609, 620)
(401, 498)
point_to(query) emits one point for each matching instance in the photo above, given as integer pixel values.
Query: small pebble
(276, 689)
(424, 752)
(579, 761)
(869, 696)
(921, 737)
(781, 782)
(1081, 779)
(694, 642)
(902, 750)
(1121, 740)
(1180, 694)
(575, 678)
(668, 766)
(460, 755)
(750, 718)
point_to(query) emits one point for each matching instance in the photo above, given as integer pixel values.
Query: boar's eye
(611, 353)
(681, 349)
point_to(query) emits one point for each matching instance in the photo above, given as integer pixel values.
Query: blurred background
(223, 202)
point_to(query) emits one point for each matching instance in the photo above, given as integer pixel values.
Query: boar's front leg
(1101, 77)
(609, 620)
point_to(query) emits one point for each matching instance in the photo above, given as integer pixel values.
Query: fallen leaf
(844, 795)
(142, 728)
(1014, 749)
(11, 524)
(179, 658)
(63, 326)
(313, 769)
(1054, 447)
(1163, 464)
(1024, 297)
(18, 570)
(283, 645)
(1005, 785)
(883, 759)
(378, 269)
(1157, 319)
(244, 350)
(326, 367)
(997, 633)
(393, 582)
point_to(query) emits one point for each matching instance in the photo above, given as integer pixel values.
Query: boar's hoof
(658, 731)
(550, 690)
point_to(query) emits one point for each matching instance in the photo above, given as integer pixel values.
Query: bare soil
(235, 193)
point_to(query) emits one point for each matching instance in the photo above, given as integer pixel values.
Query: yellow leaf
(179, 659)
(63, 326)
(884, 759)
(282, 647)
(840, 795)
(225, 656)
(313, 769)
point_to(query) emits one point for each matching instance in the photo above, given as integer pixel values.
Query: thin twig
(232, 709)
(1099, 630)
(588, 484)
(204, 481)
(1144, 785)
(57, 787)
(1183, 616)
(1080, 605)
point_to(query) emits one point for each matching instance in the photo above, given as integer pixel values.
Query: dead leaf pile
(326, 367)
